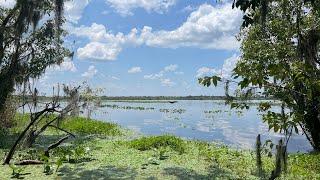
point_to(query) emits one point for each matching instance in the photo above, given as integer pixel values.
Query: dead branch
(46, 152)
(34, 118)
(54, 145)
(28, 162)
(63, 130)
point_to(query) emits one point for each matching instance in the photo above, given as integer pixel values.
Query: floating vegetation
(213, 112)
(114, 106)
(173, 111)
(141, 101)
(239, 113)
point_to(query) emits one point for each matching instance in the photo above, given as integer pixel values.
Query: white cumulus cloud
(208, 27)
(224, 72)
(134, 70)
(74, 9)
(125, 7)
(90, 73)
(228, 66)
(205, 71)
(188, 8)
(99, 51)
(66, 66)
(160, 76)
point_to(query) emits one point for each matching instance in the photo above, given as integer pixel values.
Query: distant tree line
(136, 98)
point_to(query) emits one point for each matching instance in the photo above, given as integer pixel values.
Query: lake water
(201, 120)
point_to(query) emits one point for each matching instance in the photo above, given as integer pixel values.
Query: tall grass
(80, 125)
(148, 143)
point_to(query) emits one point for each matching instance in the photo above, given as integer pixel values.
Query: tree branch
(23, 133)
(54, 145)
(28, 162)
(63, 130)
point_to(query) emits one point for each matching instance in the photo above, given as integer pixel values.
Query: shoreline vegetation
(153, 98)
(103, 150)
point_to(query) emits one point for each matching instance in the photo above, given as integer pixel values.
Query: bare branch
(63, 130)
(54, 145)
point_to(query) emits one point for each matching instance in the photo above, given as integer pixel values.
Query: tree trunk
(30, 139)
(13, 148)
(313, 125)
(7, 78)
(6, 88)
(23, 133)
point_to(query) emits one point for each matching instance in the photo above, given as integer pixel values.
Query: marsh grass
(77, 125)
(80, 125)
(157, 142)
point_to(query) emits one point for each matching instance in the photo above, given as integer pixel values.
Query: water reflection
(203, 120)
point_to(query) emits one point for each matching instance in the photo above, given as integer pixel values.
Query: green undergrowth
(148, 157)
(165, 141)
(80, 125)
(76, 125)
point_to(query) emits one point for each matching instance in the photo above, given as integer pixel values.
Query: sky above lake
(146, 47)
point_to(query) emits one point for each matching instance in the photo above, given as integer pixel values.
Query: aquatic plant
(179, 111)
(148, 143)
(82, 125)
(114, 106)
(213, 111)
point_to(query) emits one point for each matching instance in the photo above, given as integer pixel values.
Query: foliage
(280, 47)
(16, 171)
(271, 59)
(208, 81)
(90, 98)
(86, 126)
(256, 11)
(28, 47)
(71, 154)
(148, 143)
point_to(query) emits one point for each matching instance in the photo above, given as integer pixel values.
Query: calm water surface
(196, 122)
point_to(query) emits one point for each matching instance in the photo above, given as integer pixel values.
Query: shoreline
(115, 152)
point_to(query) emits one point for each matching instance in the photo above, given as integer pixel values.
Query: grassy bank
(105, 151)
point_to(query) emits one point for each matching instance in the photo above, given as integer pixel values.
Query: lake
(191, 119)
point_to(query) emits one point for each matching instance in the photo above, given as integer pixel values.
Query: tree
(91, 99)
(30, 41)
(73, 97)
(280, 54)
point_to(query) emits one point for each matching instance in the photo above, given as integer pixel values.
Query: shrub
(148, 143)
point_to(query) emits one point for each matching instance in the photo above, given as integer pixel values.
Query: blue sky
(140, 47)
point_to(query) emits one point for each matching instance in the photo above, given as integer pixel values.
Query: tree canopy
(30, 41)
(280, 55)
